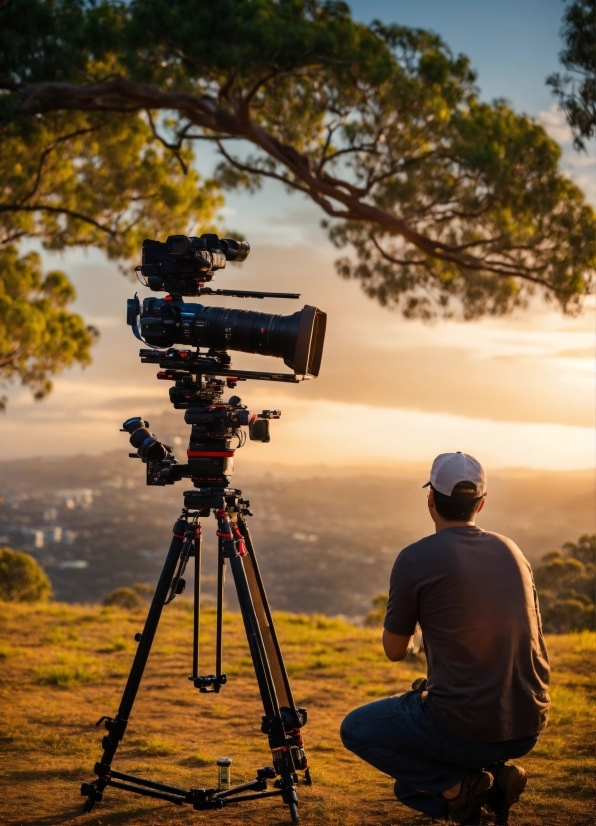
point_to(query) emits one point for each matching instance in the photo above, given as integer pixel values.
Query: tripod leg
(221, 581)
(117, 726)
(197, 605)
(280, 728)
(274, 725)
(294, 718)
(255, 640)
(261, 604)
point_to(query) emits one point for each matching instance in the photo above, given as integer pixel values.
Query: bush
(567, 615)
(126, 598)
(565, 584)
(21, 578)
(376, 617)
(143, 589)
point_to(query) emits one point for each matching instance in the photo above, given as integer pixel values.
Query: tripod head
(215, 425)
(199, 384)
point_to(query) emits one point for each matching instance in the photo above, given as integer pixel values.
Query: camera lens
(297, 339)
(235, 250)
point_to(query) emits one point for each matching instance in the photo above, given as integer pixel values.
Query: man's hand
(396, 646)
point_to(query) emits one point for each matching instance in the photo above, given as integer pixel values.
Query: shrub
(126, 598)
(376, 617)
(21, 578)
(143, 589)
(565, 615)
(565, 584)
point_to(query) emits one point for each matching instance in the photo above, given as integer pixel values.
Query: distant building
(39, 537)
(34, 536)
(50, 515)
(76, 498)
(52, 534)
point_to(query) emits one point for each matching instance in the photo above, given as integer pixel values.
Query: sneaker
(466, 808)
(509, 783)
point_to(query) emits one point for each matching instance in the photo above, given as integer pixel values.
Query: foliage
(126, 598)
(93, 179)
(375, 617)
(21, 578)
(565, 584)
(576, 89)
(144, 590)
(38, 336)
(449, 204)
(87, 180)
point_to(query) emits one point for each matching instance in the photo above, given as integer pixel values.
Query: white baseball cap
(449, 469)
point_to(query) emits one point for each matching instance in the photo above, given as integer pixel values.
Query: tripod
(210, 458)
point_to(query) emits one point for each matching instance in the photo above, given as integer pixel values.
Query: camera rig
(218, 428)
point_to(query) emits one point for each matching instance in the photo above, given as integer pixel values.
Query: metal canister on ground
(224, 773)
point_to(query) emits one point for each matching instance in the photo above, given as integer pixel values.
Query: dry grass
(62, 667)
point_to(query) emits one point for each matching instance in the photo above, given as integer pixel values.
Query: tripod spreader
(211, 683)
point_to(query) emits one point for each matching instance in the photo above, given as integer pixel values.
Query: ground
(63, 666)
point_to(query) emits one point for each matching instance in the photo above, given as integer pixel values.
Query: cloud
(556, 125)
(578, 353)
(342, 434)
(580, 166)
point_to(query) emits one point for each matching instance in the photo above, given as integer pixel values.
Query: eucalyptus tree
(576, 88)
(444, 204)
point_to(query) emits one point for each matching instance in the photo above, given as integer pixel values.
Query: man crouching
(485, 698)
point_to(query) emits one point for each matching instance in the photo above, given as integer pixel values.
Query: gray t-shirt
(473, 594)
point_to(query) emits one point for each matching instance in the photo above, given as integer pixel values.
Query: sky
(515, 392)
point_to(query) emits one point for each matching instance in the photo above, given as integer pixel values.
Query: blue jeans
(401, 737)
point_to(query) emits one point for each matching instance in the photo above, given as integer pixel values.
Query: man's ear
(431, 499)
(482, 503)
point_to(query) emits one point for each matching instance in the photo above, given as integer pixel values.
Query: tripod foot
(93, 794)
(294, 812)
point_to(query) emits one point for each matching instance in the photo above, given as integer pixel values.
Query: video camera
(182, 266)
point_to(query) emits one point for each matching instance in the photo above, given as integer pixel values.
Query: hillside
(63, 666)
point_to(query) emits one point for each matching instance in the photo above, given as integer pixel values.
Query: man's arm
(396, 646)
(402, 610)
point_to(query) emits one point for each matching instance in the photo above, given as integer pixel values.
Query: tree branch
(173, 147)
(47, 151)
(256, 170)
(60, 211)
(123, 94)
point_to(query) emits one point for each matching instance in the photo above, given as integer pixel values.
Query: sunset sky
(515, 392)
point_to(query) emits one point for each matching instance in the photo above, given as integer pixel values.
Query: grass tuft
(198, 760)
(6, 651)
(58, 635)
(156, 747)
(69, 671)
(116, 644)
